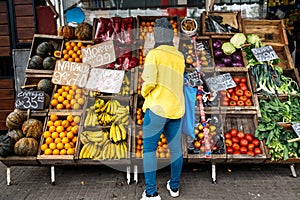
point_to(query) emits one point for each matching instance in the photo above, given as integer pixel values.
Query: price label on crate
(105, 80)
(265, 53)
(70, 73)
(296, 128)
(99, 54)
(220, 82)
(33, 100)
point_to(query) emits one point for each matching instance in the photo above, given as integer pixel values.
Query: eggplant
(226, 60)
(219, 64)
(218, 53)
(237, 63)
(236, 56)
(217, 44)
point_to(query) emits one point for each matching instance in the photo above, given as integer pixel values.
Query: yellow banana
(125, 120)
(118, 151)
(118, 133)
(104, 107)
(108, 108)
(123, 131)
(112, 151)
(87, 119)
(112, 132)
(82, 151)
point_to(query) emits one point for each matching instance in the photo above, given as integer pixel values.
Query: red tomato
(233, 132)
(251, 146)
(227, 135)
(243, 86)
(240, 134)
(240, 103)
(256, 142)
(249, 137)
(248, 102)
(244, 142)
(247, 93)
(243, 150)
(243, 80)
(235, 139)
(239, 92)
(243, 98)
(235, 146)
(234, 97)
(257, 150)
(232, 103)
(228, 142)
(229, 150)
(251, 153)
(230, 90)
(225, 98)
(236, 79)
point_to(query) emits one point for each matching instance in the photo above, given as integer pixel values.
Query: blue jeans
(153, 127)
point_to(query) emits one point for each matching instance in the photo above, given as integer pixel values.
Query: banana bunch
(91, 119)
(94, 136)
(94, 94)
(117, 132)
(125, 89)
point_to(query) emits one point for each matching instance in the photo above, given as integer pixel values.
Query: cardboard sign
(105, 80)
(33, 100)
(99, 54)
(296, 128)
(221, 82)
(70, 73)
(265, 53)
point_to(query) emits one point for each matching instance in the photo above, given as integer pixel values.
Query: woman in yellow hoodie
(164, 107)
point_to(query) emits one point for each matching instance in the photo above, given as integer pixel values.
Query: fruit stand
(80, 125)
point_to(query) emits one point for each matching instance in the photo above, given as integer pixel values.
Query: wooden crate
(270, 31)
(58, 159)
(7, 99)
(57, 42)
(247, 122)
(231, 18)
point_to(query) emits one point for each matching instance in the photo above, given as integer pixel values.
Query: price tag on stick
(105, 80)
(33, 100)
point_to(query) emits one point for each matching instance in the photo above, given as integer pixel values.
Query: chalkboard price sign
(99, 54)
(105, 80)
(33, 100)
(220, 82)
(296, 128)
(265, 53)
(70, 73)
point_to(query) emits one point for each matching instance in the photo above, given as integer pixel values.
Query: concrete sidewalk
(234, 181)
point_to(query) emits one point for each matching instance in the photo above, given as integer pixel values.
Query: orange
(76, 106)
(67, 146)
(65, 123)
(62, 135)
(70, 118)
(52, 129)
(48, 152)
(65, 103)
(52, 146)
(61, 99)
(70, 135)
(56, 95)
(74, 140)
(78, 91)
(67, 43)
(65, 51)
(73, 44)
(77, 96)
(44, 147)
(55, 135)
(79, 44)
(70, 53)
(65, 140)
(74, 129)
(71, 60)
(69, 97)
(75, 48)
(63, 152)
(55, 152)
(64, 94)
(77, 60)
(60, 106)
(68, 106)
(73, 124)
(54, 102)
(57, 140)
(71, 144)
(66, 56)
(60, 129)
(71, 151)
(79, 52)
(60, 146)
(47, 134)
(73, 101)
(76, 119)
(80, 101)
(57, 123)
(69, 128)
(53, 117)
(69, 47)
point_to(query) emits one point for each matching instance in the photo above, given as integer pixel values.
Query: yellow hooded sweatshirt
(163, 77)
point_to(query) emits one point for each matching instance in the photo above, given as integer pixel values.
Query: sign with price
(265, 53)
(105, 80)
(99, 54)
(70, 73)
(33, 100)
(220, 82)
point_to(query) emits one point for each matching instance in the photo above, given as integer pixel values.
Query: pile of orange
(139, 116)
(68, 97)
(162, 150)
(61, 135)
(72, 51)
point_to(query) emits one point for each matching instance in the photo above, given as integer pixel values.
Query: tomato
(251, 146)
(243, 86)
(226, 99)
(240, 134)
(233, 132)
(235, 146)
(230, 90)
(239, 92)
(257, 150)
(236, 79)
(232, 103)
(229, 150)
(247, 93)
(243, 80)
(234, 97)
(235, 139)
(248, 102)
(251, 153)
(244, 142)
(228, 142)
(243, 150)
(256, 142)
(227, 135)
(249, 137)
(243, 98)
(240, 103)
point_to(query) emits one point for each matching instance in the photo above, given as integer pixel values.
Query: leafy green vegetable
(254, 40)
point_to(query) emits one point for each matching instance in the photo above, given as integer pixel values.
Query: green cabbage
(228, 48)
(254, 39)
(238, 40)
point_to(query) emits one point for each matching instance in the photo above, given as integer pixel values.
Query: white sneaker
(155, 196)
(173, 192)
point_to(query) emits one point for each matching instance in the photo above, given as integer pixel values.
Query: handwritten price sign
(221, 82)
(265, 53)
(30, 100)
(70, 73)
(105, 80)
(99, 54)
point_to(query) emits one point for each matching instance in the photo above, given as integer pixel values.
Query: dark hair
(165, 43)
